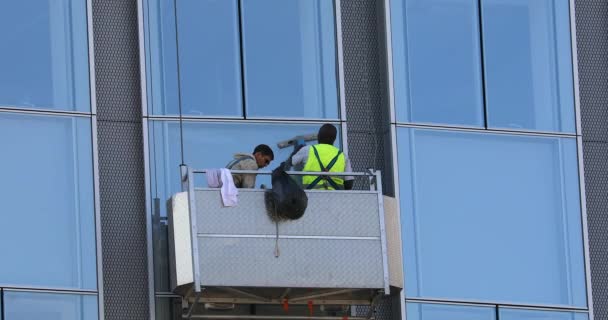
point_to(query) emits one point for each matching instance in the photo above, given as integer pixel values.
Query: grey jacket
(243, 161)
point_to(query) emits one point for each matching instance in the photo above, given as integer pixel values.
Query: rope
(276, 243)
(179, 83)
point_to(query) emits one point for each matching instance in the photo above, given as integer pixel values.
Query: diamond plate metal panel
(123, 221)
(592, 43)
(388, 308)
(121, 168)
(328, 214)
(592, 37)
(367, 101)
(596, 182)
(302, 263)
(364, 76)
(115, 30)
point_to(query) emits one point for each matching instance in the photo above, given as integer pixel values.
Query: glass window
(44, 60)
(290, 58)
(206, 145)
(491, 217)
(528, 64)
(49, 306)
(209, 57)
(421, 311)
(47, 233)
(436, 62)
(520, 314)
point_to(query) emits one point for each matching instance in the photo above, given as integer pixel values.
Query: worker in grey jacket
(261, 157)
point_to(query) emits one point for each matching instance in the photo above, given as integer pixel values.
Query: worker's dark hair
(327, 134)
(265, 150)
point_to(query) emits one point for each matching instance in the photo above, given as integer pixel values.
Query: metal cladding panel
(592, 37)
(117, 71)
(596, 183)
(365, 88)
(121, 166)
(123, 221)
(303, 263)
(367, 100)
(328, 214)
(592, 44)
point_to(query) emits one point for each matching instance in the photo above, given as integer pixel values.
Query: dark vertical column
(367, 103)
(592, 37)
(367, 112)
(121, 166)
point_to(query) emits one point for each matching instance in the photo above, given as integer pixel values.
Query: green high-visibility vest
(326, 159)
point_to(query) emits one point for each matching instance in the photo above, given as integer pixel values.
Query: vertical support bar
(2, 304)
(98, 238)
(91, 43)
(94, 145)
(151, 218)
(341, 79)
(372, 180)
(382, 231)
(393, 120)
(150, 222)
(581, 167)
(184, 174)
(193, 226)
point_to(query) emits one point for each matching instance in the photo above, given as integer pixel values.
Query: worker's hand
(262, 186)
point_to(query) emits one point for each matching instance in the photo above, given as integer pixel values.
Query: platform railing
(188, 185)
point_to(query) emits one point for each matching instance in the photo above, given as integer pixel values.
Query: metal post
(382, 231)
(193, 227)
(183, 170)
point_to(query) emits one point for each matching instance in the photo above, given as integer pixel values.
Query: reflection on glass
(520, 314)
(206, 145)
(420, 311)
(491, 217)
(436, 62)
(290, 58)
(44, 56)
(209, 57)
(528, 64)
(49, 306)
(47, 234)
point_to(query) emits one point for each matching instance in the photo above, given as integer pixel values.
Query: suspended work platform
(345, 250)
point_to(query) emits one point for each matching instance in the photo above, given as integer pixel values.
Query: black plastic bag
(286, 200)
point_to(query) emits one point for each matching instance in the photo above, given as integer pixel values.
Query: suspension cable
(179, 84)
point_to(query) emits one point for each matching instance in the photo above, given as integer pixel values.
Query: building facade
(487, 118)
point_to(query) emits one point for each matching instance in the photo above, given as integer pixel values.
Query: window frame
(394, 124)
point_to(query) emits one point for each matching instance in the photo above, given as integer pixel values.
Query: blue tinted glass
(209, 57)
(290, 58)
(491, 217)
(528, 64)
(44, 60)
(206, 145)
(436, 61)
(49, 306)
(47, 234)
(419, 311)
(519, 314)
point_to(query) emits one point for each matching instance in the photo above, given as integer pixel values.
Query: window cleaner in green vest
(324, 157)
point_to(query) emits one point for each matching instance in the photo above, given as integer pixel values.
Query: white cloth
(221, 178)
